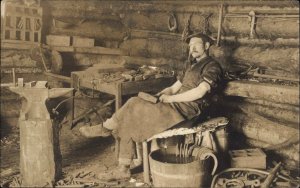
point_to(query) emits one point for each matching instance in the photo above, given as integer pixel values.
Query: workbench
(119, 88)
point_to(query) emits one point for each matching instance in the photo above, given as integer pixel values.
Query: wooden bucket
(194, 173)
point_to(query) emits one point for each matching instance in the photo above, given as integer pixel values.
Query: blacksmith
(138, 120)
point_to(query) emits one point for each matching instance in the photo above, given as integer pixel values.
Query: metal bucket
(170, 171)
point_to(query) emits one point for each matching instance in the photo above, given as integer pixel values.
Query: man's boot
(95, 131)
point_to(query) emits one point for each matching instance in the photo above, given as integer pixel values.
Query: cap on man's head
(205, 38)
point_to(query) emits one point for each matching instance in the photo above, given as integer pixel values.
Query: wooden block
(248, 158)
(83, 42)
(148, 97)
(58, 40)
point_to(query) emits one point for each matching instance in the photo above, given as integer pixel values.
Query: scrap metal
(210, 125)
(249, 178)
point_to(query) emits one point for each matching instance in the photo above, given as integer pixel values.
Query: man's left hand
(165, 98)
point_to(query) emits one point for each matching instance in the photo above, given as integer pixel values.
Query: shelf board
(19, 45)
(90, 50)
(23, 15)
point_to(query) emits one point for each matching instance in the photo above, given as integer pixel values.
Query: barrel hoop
(177, 176)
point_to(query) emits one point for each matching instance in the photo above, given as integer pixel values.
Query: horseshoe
(172, 17)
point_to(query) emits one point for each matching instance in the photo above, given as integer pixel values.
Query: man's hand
(166, 91)
(165, 98)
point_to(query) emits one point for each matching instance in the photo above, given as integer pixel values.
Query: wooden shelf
(90, 50)
(17, 44)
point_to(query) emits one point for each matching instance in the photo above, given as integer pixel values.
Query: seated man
(138, 120)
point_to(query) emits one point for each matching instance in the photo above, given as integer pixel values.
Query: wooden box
(248, 158)
(58, 40)
(83, 42)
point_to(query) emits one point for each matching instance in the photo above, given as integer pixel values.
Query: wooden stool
(207, 126)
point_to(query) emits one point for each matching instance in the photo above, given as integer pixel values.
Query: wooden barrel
(192, 174)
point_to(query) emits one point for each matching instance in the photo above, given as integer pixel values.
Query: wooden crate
(83, 42)
(22, 23)
(248, 158)
(58, 40)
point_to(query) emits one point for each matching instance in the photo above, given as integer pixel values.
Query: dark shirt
(206, 70)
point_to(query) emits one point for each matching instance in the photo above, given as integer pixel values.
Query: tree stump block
(40, 157)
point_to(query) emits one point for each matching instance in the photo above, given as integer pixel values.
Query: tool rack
(22, 23)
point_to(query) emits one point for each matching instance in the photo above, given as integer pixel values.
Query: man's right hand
(159, 94)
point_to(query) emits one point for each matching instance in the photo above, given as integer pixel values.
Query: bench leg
(146, 163)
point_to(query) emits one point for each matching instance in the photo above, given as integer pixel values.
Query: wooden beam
(59, 77)
(19, 45)
(90, 50)
(288, 117)
(277, 42)
(102, 50)
(268, 92)
(63, 48)
(137, 60)
(138, 33)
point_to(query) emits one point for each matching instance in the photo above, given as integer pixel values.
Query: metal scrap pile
(260, 74)
(146, 72)
(142, 73)
(84, 179)
(250, 177)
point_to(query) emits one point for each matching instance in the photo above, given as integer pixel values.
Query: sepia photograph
(150, 93)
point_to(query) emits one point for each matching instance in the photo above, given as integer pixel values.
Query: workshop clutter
(207, 143)
(147, 72)
(248, 169)
(250, 177)
(188, 158)
(110, 73)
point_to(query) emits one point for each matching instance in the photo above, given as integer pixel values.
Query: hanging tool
(14, 76)
(220, 25)
(253, 24)
(172, 22)
(257, 73)
(43, 59)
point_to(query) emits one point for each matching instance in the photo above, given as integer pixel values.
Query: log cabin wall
(140, 28)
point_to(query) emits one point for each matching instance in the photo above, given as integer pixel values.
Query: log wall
(135, 26)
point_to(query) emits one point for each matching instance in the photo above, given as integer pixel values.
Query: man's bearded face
(197, 47)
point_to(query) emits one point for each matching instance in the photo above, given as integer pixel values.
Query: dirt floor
(82, 157)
